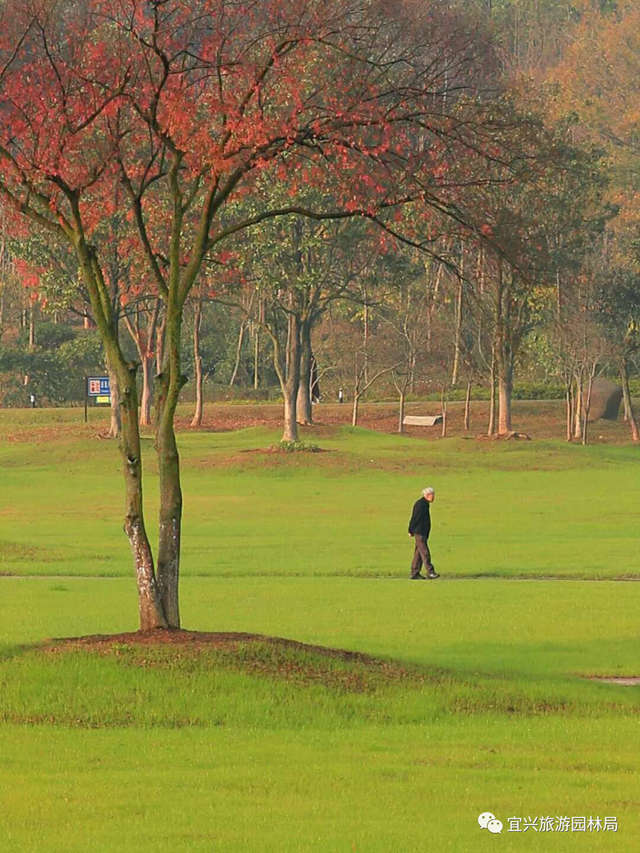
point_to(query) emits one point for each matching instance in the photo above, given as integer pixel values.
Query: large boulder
(606, 397)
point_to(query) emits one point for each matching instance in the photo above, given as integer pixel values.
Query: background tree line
(554, 299)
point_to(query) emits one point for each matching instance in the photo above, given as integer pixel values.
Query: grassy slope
(499, 721)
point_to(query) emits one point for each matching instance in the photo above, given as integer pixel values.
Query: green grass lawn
(533, 509)
(478, 700)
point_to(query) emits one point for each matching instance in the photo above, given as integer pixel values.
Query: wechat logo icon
(490, 821)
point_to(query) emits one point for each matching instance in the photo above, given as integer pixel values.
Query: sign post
(99, 389)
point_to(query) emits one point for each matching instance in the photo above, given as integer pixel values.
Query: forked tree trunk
(150, 608)
(287, 367)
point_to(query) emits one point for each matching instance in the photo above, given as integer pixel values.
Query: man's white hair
(428, 490)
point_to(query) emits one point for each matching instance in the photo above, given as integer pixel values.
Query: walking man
(419, 528)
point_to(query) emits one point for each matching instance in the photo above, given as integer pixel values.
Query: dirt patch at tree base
(254, 654)
(199, 640)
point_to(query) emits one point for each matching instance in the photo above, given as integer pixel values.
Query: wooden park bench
(421, 420)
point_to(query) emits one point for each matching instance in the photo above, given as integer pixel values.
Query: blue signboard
(98, 386)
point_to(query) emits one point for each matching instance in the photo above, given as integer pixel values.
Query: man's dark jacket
(420, 519)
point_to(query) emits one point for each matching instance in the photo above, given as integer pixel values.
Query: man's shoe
(417, 578)
(433, 574)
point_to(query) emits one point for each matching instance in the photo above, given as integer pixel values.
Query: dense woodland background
(527, 287)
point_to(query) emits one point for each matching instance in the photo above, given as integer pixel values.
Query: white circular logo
(484, 819)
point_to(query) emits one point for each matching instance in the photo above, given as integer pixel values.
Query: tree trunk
(147, 389)
(505, 389)
(467, 408)
(143, 338)
(292, 379)
(290, 427)
(587, 406)
(304, 409)
(170, 514)
(197, 361)
(236, 366)
(491, 428)
(458, 323)
(433, 296)
(256, 359)
(457, 336)
(150, 608)
(503, 356)
(160, 334)
(401, 411)
(412, 373)
(365, 339)
(354, 411)
(577, 407)
(631, 416)
(4, 266)
(288, 371)
(115, 422)
(32, 326)
(569, 399)
(443, 406)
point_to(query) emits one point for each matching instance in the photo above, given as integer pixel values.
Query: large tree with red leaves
(170, 111)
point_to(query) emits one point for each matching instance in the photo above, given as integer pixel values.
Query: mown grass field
(476, 697)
